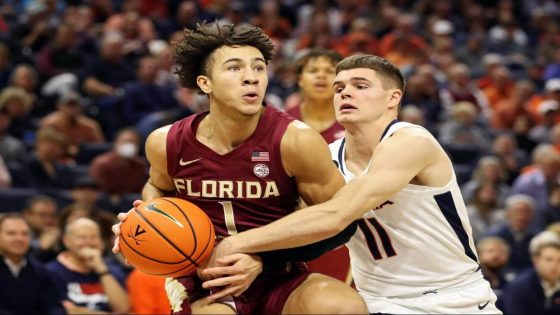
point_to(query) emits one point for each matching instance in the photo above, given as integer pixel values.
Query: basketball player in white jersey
(413, 251)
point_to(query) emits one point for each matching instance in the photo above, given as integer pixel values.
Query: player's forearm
(314, 223)
(150, 192)
(298, 229)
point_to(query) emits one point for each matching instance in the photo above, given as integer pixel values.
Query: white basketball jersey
(418, 240)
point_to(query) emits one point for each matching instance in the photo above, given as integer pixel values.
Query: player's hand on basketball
(234, 276)
(117, 227)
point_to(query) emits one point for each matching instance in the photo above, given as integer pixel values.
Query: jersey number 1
(229, 218)
(368, 226)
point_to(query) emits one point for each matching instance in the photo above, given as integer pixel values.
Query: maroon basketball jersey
(243, 189)
(334, 132)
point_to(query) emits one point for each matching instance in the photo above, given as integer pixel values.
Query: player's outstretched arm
(396, 162)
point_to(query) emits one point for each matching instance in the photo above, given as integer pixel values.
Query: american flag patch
(260, 157)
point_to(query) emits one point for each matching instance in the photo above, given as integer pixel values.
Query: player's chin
(250, 109)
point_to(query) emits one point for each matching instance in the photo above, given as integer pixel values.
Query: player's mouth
(250, 97)
(346, 107)
(321, 86)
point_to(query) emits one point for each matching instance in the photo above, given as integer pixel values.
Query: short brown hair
(389, 75)
(192, 53)
(331, 55)
(11, 215)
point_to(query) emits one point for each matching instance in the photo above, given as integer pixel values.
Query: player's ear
(204, 83)
(395, 97)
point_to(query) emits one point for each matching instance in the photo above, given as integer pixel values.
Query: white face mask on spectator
(127, 149)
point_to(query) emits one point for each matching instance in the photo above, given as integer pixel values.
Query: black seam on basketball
(212, 235)
(150, 258)
(188, 220)
(165, 237)
(171, 272)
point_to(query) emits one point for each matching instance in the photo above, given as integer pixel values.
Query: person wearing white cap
(548, 109)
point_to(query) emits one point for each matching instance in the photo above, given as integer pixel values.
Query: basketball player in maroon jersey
(245, 165)
(316, 73)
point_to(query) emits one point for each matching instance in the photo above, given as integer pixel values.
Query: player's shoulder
(159, 133)
(156, 141)
(299, 130)
(299, 139)
(410, 132)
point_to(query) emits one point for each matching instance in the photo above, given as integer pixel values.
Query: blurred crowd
(83, 82)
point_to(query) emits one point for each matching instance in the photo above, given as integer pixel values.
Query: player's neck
(317, 109)
(223, 132)
(363, 138)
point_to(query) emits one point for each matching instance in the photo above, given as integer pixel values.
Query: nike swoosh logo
(152, 207)
(482, 306)
(185, 163)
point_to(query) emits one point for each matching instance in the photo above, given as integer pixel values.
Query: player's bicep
(306, 157)
(156, 152)
(401, 158)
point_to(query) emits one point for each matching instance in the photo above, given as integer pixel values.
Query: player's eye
(233, 68)
(259, 68)
(338, 89)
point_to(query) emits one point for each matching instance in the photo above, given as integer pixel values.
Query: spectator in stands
(145, 97)
(43, 169)
(110, 71)
(32, 33)
(459, 88)
(488, 170)
(5, 176)
(269, 19)
(483, 211)
(510, 156)
(500, 86)
(507, 111)
(75, 126)
(5, 65)
(81, 275)
(549, 111)
(403, 46)
(493, 255)
(315, 72)
(551, 92)
(147, 293)
(137, 30)
(461, 129)
(41, 213)
(26, 287)
(516, 230)
(25, 77)
(537, 290)
(62, 55)
(552, 213)
(17, 104)
(121, 170)
(422, 90)
(537, 181)
(11, 148)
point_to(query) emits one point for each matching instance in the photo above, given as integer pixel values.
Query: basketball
(167, 237)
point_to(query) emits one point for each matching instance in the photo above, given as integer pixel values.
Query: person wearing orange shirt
(147, 293)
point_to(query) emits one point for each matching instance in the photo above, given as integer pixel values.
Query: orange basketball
(167, 237)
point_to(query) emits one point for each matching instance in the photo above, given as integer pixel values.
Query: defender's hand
(235, 275)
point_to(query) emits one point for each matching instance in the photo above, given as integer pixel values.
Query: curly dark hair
(192, 53)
